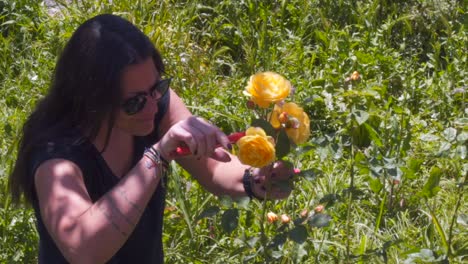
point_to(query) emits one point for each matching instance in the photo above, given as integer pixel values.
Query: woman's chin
(143, 131)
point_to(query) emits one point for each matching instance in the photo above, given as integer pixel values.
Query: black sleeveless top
(144, 245)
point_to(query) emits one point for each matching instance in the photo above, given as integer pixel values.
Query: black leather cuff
(247, 181)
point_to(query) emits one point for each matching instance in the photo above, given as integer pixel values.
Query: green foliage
(388, 153)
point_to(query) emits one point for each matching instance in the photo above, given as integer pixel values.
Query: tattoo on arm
(123, 193)
(109, 217)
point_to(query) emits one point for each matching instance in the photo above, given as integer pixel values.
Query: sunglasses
(136, 103)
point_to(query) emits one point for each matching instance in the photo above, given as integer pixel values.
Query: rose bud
(250, 104)
(272, 217)
(355, 76)
(304, 213)
(319, 208)
(297, 170)
(283, 118)
(285, 219)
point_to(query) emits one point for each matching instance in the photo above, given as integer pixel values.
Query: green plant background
(388, 153)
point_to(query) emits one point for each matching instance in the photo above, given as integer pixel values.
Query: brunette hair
(85, 89)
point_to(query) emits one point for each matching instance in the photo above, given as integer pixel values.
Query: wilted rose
(256, 148)
(300, 131)
(266, 88)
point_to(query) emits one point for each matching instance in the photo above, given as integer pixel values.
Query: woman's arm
(222, 178)
(86, 232)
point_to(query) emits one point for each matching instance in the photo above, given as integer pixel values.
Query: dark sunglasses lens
(134, 105)
(161, 87)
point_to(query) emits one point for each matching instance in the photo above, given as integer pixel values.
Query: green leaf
(414, 164)
(461, 152)
(252, 241)
(330, 199)
(450, 134)
(462, 219)
(445, 146)
(431, 187)
(230, 220)
(277, 254)
(318, 82)
(209, 212)
(428, 137)
(375, 185)
(221, 51)
(242, 202)
(310, 174)
(412, 168)
(361, 116)
(283, 145)
(278, 240)
(265, 125)
(462, 137)
(373, 135)
(298, 234)
(319, 220)
(226, 201)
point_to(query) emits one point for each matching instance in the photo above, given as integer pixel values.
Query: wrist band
(247, 181)
(153, 155)
(156, 157)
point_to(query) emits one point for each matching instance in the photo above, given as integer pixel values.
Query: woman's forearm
(219, 178)
(99, 232)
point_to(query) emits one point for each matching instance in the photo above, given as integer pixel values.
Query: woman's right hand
(202, 138)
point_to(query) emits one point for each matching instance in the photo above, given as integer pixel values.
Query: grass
(405, 120)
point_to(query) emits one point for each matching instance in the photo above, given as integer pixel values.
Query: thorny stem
(264, 239)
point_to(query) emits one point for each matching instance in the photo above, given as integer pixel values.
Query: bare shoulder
(59, 184)
(57, 169)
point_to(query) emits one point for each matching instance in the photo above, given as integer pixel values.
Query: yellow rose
(265, 88)
(256, 148)
(299, 128)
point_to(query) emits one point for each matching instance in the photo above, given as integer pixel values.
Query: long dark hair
(85, 90)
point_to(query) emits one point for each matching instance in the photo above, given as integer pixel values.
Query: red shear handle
(184, 150)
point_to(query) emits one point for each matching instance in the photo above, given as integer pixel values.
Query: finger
(209, 132)
(220, 155)
(222, 139)
(281, 171)
(217, 136)
(183, 135)
(200, 141)
(273, 193)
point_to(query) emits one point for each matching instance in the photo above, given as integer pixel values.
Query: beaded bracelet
(156, 160)
(247, 181)
(156, 157)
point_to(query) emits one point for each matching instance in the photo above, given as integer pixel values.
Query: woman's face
(136, 80)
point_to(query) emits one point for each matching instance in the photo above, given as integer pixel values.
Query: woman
(94, 153)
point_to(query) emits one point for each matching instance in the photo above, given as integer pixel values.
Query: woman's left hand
(272, 182)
